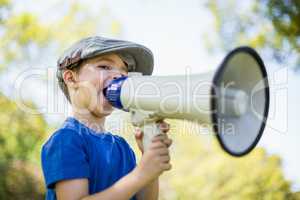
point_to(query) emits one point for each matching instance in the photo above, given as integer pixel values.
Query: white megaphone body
(233, 100)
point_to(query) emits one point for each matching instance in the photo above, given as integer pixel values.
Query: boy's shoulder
(62, 135)
(68, 129)
(65, 133)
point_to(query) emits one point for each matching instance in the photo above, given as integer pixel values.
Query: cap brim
(142, 55)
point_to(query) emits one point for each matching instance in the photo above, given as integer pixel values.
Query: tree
(21, 33)
(20, 139)
(270, 25)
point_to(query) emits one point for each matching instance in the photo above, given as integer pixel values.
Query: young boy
(83, 161)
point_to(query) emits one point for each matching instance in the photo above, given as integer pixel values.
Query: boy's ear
(70, 78)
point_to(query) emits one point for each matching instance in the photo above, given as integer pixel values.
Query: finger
(166, 166)
(163, 151)
(157, 145)
(165, 159)
(159, 121)
(139, 142)
(140, 145)
(168, 142)
(163, 126)
(160, 137)
(138, 133)
(138, 130)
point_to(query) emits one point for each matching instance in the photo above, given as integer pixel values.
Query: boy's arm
(150, 191)
(77, 189)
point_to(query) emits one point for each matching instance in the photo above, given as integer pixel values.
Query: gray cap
(138, 57)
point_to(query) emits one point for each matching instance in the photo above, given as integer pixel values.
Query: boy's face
(86, 85)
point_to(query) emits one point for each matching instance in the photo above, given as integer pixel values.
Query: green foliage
(20, 138)
(21, 180)
(19, 131)
(270, 25)
(25, 30)
(4, 2)
(285, 16)
(4, 6)
(20, 32)
(297, 195)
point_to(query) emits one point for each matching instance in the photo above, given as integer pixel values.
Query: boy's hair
(59, 74)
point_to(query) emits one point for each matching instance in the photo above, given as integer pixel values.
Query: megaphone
(233, 100)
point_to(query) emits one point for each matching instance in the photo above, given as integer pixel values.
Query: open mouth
(106, 84)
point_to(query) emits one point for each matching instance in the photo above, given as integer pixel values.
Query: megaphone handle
(150, 130)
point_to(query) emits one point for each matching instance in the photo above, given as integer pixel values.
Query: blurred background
(186, 37)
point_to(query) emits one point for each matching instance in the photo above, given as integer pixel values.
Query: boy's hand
(164, 128)
(155, 160)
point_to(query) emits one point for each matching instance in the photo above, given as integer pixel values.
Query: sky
(175, 32)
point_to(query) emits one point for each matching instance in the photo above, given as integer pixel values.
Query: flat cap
(94, 46)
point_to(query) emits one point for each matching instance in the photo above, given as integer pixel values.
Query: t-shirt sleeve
(131, 153)
(64, 157)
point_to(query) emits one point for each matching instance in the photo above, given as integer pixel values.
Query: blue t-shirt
(76, 151)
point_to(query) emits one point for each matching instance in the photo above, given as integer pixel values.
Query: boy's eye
(106, 67)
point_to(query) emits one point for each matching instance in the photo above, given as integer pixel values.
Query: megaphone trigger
(147, 122)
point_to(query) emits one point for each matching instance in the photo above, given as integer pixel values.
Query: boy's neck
(91, 121)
